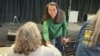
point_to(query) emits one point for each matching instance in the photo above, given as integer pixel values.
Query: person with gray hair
(28, 42)
(88, 41)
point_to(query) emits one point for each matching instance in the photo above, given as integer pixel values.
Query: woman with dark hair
(28, 43)
(88, 41)
(54, 25)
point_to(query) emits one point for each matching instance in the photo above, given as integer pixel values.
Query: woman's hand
(48, 43)
(65, 40)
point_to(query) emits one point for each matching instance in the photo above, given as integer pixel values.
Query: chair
(70, 47)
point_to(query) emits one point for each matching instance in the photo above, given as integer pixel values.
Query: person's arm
(46, 33)
(64, 30)
(64, 26)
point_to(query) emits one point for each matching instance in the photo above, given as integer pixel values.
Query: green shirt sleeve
(64, 26)
(45, 31)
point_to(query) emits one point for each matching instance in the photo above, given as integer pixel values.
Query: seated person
(88, 42)
(28, 43)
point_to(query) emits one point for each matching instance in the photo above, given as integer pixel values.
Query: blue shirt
(83, 49)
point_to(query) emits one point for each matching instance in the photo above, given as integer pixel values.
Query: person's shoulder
(11, 51)
(47, 49)
(47, 21)
(54, 50)
(50, 51)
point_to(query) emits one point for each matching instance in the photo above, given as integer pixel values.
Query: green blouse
(52, 30)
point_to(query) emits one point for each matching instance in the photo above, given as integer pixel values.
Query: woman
(88, 42)
(54, 25)
(28, 43)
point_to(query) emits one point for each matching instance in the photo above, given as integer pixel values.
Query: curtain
(85, 7)
(32, 10)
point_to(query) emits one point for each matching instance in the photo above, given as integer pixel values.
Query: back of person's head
(28, 38)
